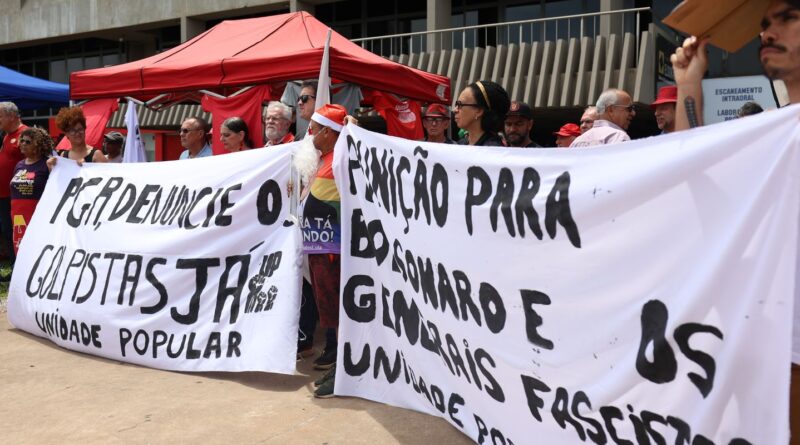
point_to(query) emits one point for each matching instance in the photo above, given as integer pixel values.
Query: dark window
(168, 37)
(411, 6)
(42, 69)
(9, 56)
(409, 25)
(73, 47)
(26, 53)
(380, 28)
(378, 8)
(324, 13)
(349, 31)
(26, 68)
(92, 45)
(348, 10)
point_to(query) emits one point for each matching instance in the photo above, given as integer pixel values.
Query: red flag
(246, 105)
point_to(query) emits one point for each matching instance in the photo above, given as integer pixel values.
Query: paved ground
(51, 395)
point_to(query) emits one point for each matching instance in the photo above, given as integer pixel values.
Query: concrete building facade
(556, 65)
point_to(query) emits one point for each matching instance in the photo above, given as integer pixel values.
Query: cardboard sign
(729, 24)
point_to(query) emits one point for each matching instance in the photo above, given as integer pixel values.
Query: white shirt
(602, 133)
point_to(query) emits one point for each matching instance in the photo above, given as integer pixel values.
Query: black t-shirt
(486, 140)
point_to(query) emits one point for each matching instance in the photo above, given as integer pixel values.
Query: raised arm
(690, 63)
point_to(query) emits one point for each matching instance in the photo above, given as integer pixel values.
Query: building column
(300, 5)
(611, 23)
(191, 28)
(439, 17)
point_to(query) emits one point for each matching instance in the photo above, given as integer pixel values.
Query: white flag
(134, 147)
(324, 84)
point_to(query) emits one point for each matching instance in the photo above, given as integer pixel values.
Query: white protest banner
(637, 293)
(185, 265)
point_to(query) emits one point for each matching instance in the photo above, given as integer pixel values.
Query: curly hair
(495, 103)
(40, 140)
(69, 117)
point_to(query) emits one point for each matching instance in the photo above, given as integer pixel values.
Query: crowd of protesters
(483, 112)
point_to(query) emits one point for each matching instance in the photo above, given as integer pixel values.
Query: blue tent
(30, 92)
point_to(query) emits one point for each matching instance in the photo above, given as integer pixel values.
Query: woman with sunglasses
(73, 123)
(30, 177)
(480, 110)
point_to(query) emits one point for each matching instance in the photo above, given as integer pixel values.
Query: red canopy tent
(255, 51)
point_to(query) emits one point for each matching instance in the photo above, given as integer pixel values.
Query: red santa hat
(330, 115)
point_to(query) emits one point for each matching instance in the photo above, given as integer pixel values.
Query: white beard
(306, 160)
(272, 134)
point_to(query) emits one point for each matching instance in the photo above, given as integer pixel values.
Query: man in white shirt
(615, 111)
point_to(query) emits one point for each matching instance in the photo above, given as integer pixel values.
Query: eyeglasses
(273, 119)
(628, 108)
(435, 120)
(25, 142)
(187, 130)
(305, 98)
(76, 131)
(460, 105)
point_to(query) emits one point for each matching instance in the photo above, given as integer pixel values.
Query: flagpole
(324, 81)
(323, 98)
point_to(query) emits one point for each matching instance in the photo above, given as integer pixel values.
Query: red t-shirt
(403, 117)
(286, 139)
(9, 156)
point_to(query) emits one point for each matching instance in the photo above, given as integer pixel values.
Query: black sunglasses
(460, 104)
(627, 108)
(305, 98)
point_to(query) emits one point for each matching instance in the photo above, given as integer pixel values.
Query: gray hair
(607, 98)
(280, 106)
(9, 108)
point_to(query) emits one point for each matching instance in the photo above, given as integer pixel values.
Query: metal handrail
(518, 30)
(493, 25)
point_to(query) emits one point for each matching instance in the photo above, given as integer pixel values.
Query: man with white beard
(320, 220)
(277, 120)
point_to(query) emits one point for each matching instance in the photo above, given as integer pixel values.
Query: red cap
(568, 130)
(666, 95)
(437, 110)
